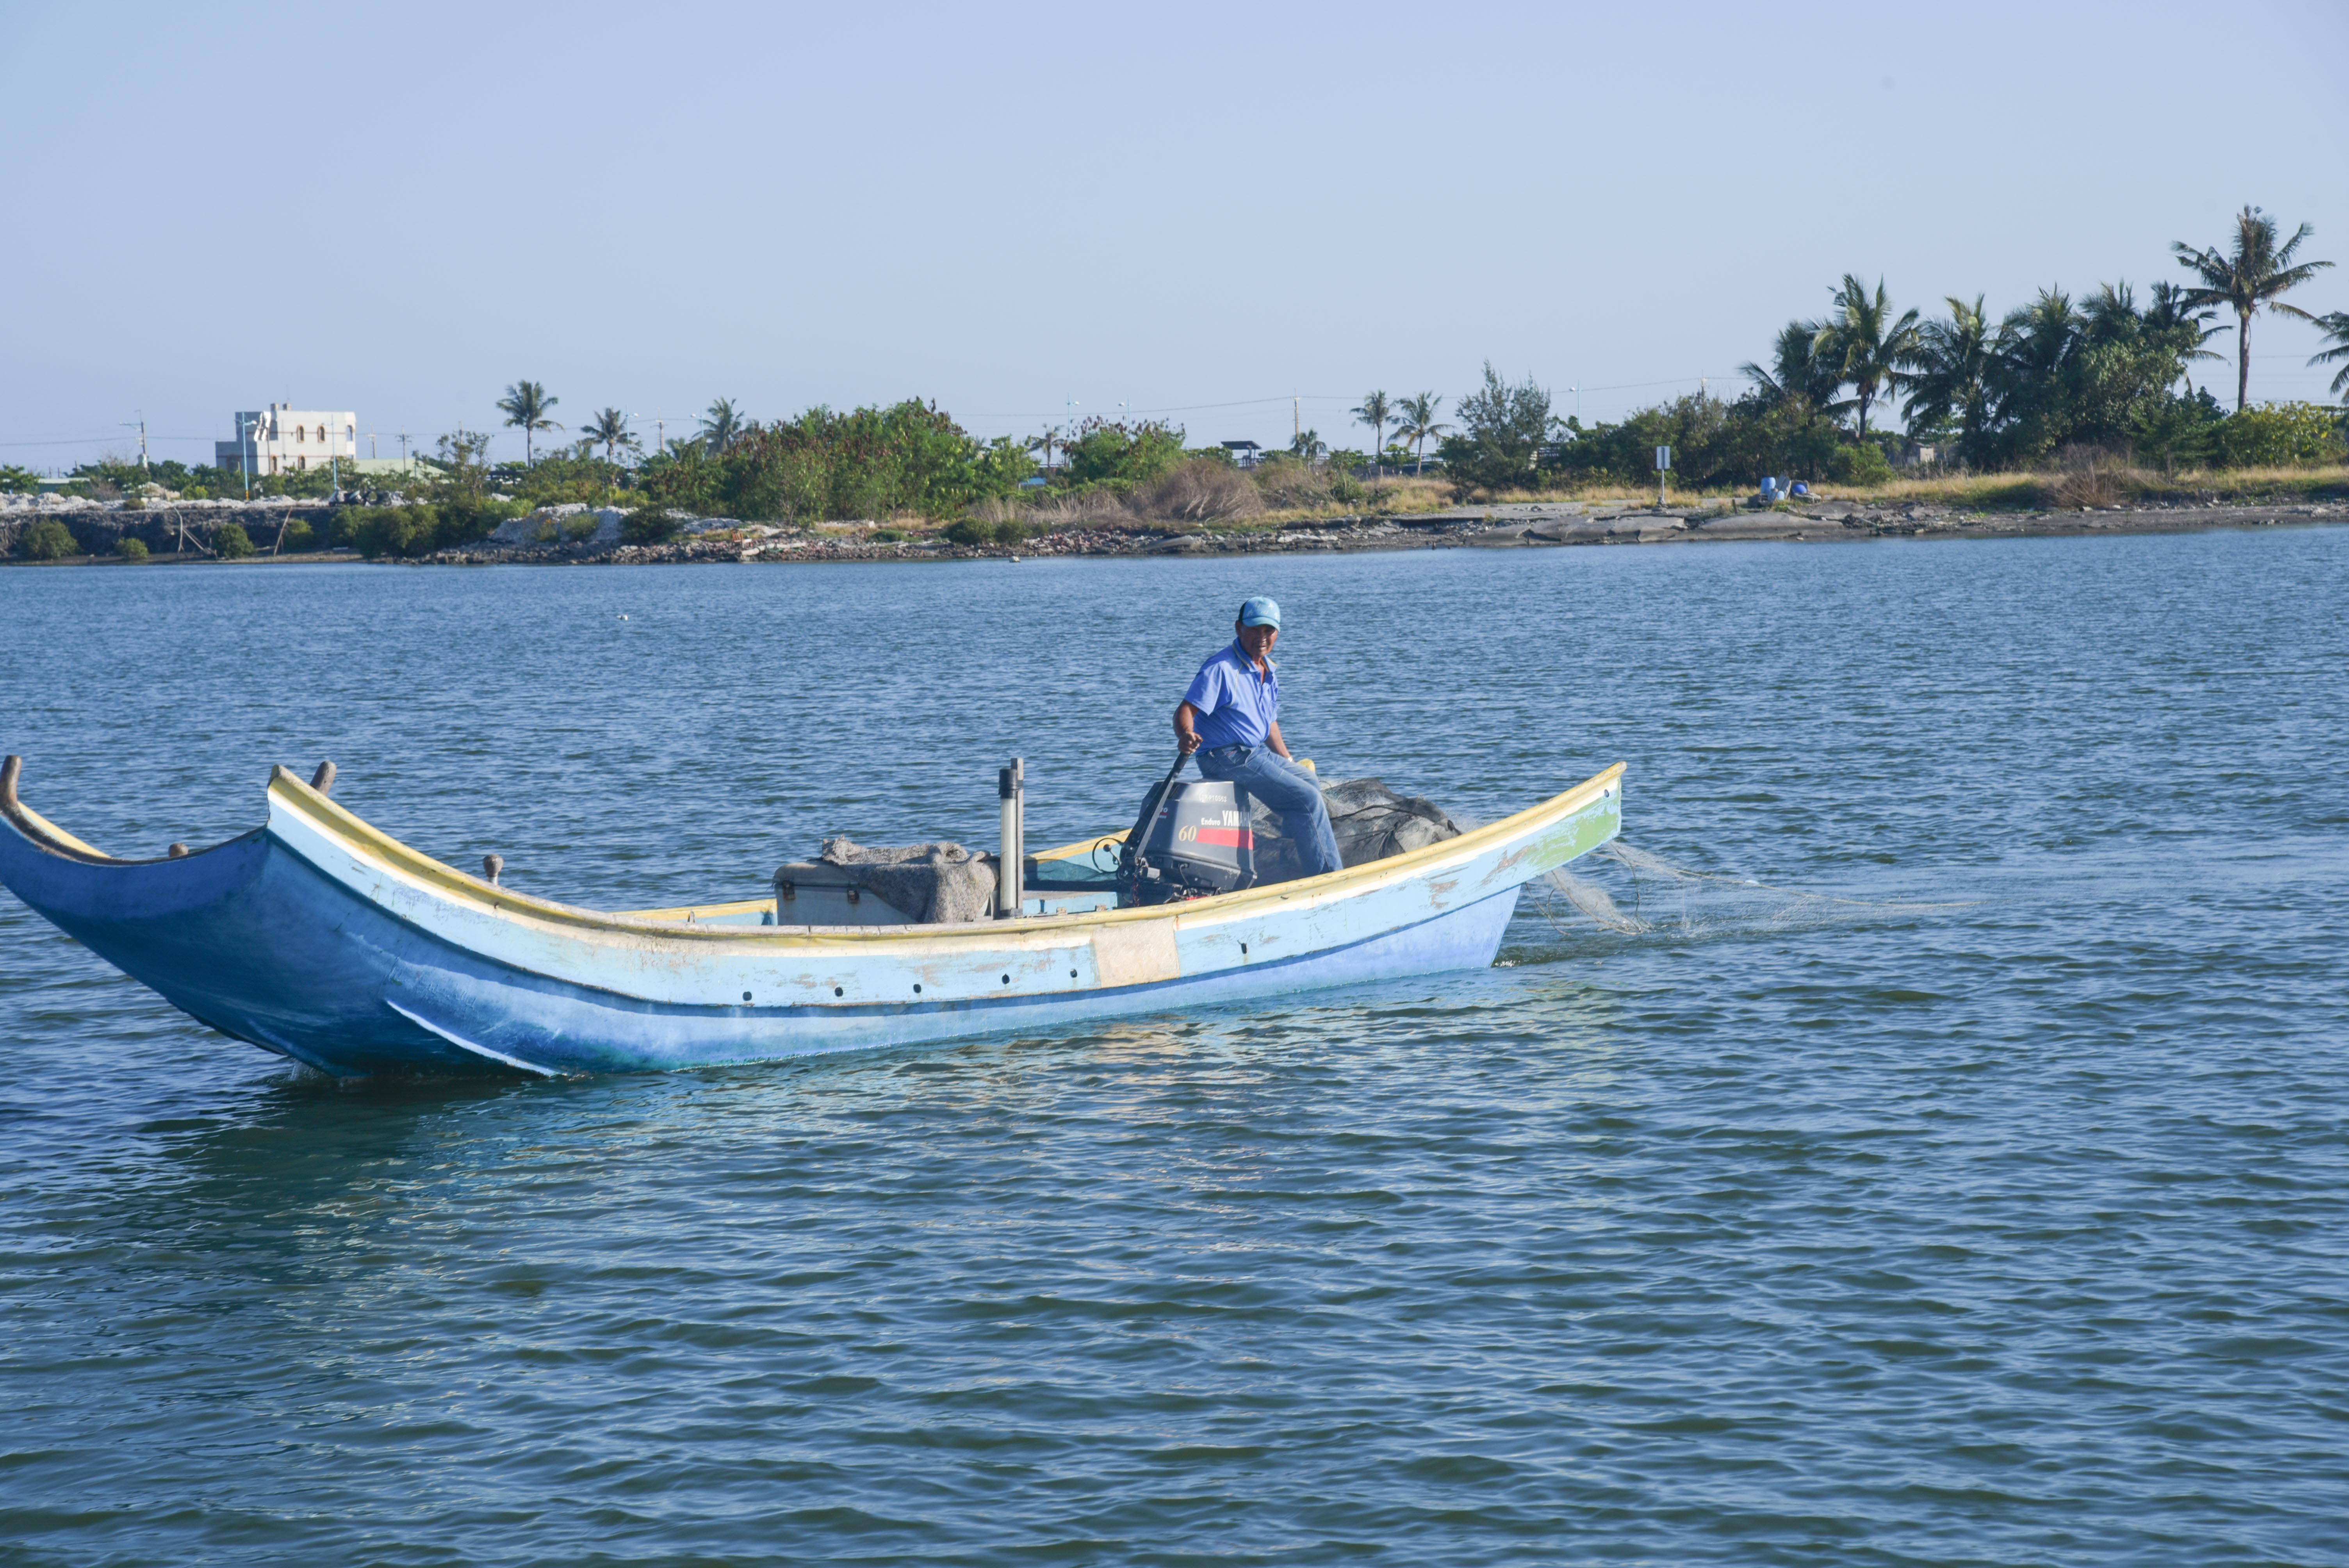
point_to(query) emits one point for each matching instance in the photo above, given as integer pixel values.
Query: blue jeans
(1286, 788)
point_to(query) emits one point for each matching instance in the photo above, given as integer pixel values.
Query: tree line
(2108, 369)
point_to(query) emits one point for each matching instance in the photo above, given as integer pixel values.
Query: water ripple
(2005, 1231)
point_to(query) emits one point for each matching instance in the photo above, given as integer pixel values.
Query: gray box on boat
(816, 892)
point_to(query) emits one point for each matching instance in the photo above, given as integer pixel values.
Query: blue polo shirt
(1237, 705)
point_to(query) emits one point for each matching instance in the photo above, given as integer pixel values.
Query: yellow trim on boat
(289, 791)
(1083, 846)
(685, 912)
(59, 834)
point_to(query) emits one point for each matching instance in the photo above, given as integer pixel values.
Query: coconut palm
(609, 430)
(2337, 332)
(1795, 370)
(1948, 375)
(721, 427)
(2253, 275)
(2110, 314)
(1416, 423)
(2182, 325)
(525, 404)
(1864, 345)
(1377, 412)
(2033, 357)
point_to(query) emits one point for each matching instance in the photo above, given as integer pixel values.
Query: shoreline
(1516, 526)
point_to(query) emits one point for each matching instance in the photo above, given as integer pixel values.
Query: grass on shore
(2015, 492)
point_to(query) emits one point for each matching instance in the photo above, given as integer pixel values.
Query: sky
(1030, 213)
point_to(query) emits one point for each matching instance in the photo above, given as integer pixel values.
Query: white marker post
(1663, 466)
(1012, 860)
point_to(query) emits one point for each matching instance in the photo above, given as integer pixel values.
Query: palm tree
(2111, 313)
(1949, 374)
(721, 427)
(1377, 412)
(1865, 347)
(2337, 332)
(525, 404)
(1795, 368)
(1416, 423)
(2181, 325)
(2254, 274)
(609, 430)
(2032, 357)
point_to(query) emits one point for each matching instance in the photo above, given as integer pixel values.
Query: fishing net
(1643, 894)
(935, 884)
(1370, 821)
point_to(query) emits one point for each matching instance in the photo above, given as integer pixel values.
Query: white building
(283, 439)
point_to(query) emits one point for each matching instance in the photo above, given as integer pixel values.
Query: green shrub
(1499, 441)
(648, 525)
(886, 536)
(134, 550)
(970, 531)
(46, 540)
(406, 531)
(2274, 435)
(231, 543)
(393, 531)
(196, 492)
(1860, 464)
(299, 535)
(1010, 531)
(1110, 451)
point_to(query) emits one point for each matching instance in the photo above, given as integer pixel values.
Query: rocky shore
(1518, 526)
(1523, 525)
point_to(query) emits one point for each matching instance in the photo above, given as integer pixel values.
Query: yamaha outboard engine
(1194, 841)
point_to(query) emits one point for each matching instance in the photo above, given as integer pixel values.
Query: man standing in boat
(1231, 717)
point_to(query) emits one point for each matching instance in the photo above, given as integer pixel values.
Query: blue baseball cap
(1260, 612)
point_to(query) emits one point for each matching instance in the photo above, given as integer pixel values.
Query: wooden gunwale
(289, 792)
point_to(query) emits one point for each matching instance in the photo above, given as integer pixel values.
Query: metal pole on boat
(1010, 862)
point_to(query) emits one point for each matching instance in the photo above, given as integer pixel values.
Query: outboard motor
(1194, 841)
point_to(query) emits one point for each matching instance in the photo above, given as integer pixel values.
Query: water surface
(1822, 1229)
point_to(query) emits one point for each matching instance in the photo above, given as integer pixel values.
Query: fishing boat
(322, 938)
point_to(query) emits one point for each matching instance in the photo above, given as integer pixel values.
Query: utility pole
(1296, 420)
(245, 453)
(139, 425)
(370, 446)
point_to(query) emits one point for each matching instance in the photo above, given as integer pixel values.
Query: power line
(101, 441)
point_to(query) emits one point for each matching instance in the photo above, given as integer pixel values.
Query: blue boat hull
(314, 939)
